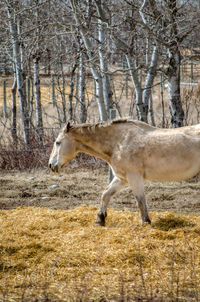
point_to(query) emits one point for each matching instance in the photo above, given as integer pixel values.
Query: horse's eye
(58, 143)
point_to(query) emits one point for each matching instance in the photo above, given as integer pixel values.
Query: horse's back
(161, 154)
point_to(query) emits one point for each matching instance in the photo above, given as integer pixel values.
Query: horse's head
(64, 150)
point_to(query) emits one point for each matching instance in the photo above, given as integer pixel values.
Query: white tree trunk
(19, 72)
(95, 73)
(107, 91)
(149, 82)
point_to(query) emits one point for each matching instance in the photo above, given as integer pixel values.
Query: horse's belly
(172, 171)
(171, 156)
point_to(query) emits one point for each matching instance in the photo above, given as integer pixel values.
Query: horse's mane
(102, 124)
(130, 121)
(93, 126)
(112, 122)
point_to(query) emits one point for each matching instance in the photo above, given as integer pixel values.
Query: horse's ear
(67, 127)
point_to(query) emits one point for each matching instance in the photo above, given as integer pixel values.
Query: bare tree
(38, 106)
(45, 36)
(63, 93)
(36, 73)
(88, 46)
(71, 94)
(164, 20)
(107, 91)
(83, 109)
(14, 112)
(13, 9)
(128, 47)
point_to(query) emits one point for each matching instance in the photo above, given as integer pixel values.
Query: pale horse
(135, 151)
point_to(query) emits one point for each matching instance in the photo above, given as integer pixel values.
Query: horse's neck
(94, 141)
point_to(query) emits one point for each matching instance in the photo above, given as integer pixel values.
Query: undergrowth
(20, 156)
(36, 155)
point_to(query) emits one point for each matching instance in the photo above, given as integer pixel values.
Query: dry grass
(63, 256)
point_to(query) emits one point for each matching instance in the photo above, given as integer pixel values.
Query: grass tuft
(172, 221)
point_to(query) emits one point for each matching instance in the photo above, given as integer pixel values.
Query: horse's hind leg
(137, 185)
(115, 186)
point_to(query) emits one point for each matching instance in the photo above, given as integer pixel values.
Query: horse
(135, 152)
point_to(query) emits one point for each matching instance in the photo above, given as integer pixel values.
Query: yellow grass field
(64, 255)
(51, 248)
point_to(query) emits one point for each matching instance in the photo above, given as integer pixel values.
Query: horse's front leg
(136, 182)
(115, 186)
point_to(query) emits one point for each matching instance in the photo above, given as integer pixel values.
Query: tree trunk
(20, 77)
(173, 73)
(38, 105)
(53, 95)
(71, 93)
(28, 93)
(107, 91)
(95, 73)
(14, 113)
(138, 90)
(149, 83)
(162, 99)
(151, 112)
(63, 94)
(83, 109)
(5, 115)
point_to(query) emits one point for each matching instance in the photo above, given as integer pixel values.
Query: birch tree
(38, 105)
(13, 12)
(142, 92)
(107, 91)
(164, 20)
(36, 74)
(88, 46)
(83, 109)
(71, 93)
(63, 93)
(14, 112)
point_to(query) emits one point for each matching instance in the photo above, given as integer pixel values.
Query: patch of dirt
(84, 186)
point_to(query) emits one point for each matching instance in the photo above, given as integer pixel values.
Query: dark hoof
(147, 220)
(101, 219)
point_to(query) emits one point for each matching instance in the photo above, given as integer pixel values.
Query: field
(51, 250)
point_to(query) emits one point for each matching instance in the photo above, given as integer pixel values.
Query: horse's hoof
(101, 219)
(146, 221)
(100, 223)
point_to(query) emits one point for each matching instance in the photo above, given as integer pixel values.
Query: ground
(50, 253)
(76, 186)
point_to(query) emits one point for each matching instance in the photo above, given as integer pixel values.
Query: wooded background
(90, 56)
